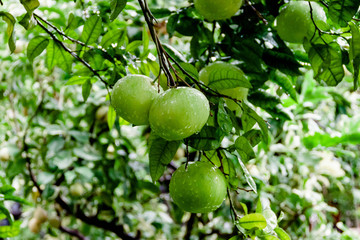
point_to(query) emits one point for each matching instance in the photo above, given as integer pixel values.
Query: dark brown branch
(93, 220)
(190, 226)
(257, 12)
(61, 44)
(72, 232)
(62, 33)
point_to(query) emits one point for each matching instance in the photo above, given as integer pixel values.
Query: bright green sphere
(132, 97)
(294, 22)
(200, 188)
(217, 9)
(178, 113)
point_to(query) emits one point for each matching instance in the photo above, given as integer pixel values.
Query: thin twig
(257, 12)
(61, 44)
(72, 232)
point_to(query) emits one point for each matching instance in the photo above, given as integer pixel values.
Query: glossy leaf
(30, 5)
(227, 78)
(92, 30)
(285, 83)
(209, 138)
(223, 118)
(252, 221)
(161, 152)
(355, 52)
(244, 148)
(342, 11)
(326, 61)
(36, 46)
(116, 7)
(282, 234)
(116, 37)
(262, 124)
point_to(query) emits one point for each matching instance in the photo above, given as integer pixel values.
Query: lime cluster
(174, 114)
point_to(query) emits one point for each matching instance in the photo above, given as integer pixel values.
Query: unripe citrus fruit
(200, 188)
(294, 22)
(132, 97)
(77, 190)
(179, 113)
(217, 9)
(34, 225)
(40, 214)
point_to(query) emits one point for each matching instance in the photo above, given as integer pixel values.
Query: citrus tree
(179, 119)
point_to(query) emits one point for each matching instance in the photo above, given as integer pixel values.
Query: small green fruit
(217, 9)
(132, 97)
(294, 22)
(200, 188)
(77, 190)
(179, 113)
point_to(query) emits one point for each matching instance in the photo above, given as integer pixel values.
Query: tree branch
(61, 44)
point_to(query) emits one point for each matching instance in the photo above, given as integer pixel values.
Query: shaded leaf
(326, 61)
(342, 11)
(262, 124)
(244, 148)
(86, 89)
(30, 5)
(116, 37)
(209, 138)
(284, 61)
(223, 118)
(355, 52)
(161, 152)
(285, 83)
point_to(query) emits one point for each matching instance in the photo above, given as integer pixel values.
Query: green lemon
(200, 188)
(132, 97)
(217, 9)
(294, 22)
(179, 113)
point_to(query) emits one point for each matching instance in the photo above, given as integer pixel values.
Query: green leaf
(87, 153)
(36, 46)
(326, 61)
(227, 78)
(268, 237)
(248, 177)
(161, 152)
(92, 30)
(271, 220)
(30, 5)
(51, 54)
(355, 52)
(285, 83)
(6, 212)
(10, 231)
(116, 7)
(284, 61)
(16, 199)
(263, 99)
(86, 89)
(131, 47)
(252, 221)
(10, 20)
(189, 68)
(171, 24)
(209, 138)
(223, 118)
(116, 37)
(174, 53)
(160, 12)
(327, 140)
(253, 136)
(262, 124)
(342, 11)
(28, 21)
(111, 117)
(282, 234)
(145, 40)
(78, 80)
(244, 148)
(7, 189)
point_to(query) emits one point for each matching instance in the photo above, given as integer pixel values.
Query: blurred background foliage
(59, 118)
